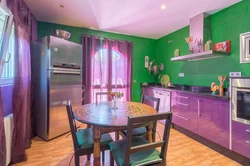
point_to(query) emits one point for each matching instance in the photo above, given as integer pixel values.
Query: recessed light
(92, 28)
(61, 6)
(163, 6)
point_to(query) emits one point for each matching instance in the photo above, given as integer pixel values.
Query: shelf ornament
(155, 69)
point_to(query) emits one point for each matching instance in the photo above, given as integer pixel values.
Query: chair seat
(85, 138)
(145, 157)
(141, 131)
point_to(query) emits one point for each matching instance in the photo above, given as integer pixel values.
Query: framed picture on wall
(245, 47)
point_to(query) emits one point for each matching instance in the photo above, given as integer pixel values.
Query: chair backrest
(150, 98)
(132, 121)
(72, 124)
(100, 94)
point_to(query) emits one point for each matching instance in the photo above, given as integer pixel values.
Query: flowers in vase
(115, 95)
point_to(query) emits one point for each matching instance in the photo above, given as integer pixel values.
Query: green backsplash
(227, 24)
(141, 47)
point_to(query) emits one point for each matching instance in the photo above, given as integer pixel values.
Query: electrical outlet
(235, 74)
(181, 74)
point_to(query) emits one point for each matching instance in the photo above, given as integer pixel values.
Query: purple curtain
(25, 31)
(123, 67)
(106, 67)
(91, 45)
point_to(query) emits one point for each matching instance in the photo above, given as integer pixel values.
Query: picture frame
(245, 47)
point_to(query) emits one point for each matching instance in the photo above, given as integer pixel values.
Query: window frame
(4, 44)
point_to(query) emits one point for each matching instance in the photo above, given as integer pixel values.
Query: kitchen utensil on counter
(165, 80)
(214, 88)
(61, 34)
(222, 80)
(170, 85)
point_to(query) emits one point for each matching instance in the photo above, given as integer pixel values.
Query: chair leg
(88, 157)
(117, 135)
(103, 155)
(111, 158)
(77, 160)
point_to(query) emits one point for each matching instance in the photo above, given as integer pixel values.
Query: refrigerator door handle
(83, 92)
(66, 72)
(57, 103)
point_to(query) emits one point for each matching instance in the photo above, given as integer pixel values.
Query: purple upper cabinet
(213, 120)
(241, 138)
(184, 111)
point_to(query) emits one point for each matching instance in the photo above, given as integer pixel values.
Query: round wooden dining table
(105, 119)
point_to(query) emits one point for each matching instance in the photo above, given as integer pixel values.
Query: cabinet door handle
(248, 141)
(199, 111)
(248, 131)
(183, 97)
(181, 117)
(186, 105)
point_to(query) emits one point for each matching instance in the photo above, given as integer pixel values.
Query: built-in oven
(239, 133)
(240, 101)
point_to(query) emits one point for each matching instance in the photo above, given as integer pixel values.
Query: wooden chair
(100, 94)
(83, 138)
(141, 131)
(137, 150)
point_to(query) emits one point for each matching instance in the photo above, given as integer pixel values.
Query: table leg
(149, 132)
(97, 138)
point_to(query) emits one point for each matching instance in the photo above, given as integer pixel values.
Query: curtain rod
(101, 38)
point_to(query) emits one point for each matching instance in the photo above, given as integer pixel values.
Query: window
(7, 48)
(105, 79)
(8, 68)
(101, 69)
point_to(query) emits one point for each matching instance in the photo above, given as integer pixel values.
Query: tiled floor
(182, 151)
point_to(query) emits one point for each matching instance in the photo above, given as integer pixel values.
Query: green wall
(141, 47)
(227, 24)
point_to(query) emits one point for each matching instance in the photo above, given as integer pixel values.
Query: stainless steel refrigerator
(56, 77)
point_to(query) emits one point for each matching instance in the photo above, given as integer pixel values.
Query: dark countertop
(195, 90)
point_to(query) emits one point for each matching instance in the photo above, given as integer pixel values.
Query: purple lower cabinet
(213, 120)
(241, 138)
(184, 115)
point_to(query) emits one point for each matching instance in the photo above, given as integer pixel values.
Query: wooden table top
(102, 114)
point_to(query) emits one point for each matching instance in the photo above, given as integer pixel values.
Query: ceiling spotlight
(163, 6)
(92, 28)
(61, 6)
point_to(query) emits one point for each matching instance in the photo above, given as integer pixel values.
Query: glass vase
(114, 103)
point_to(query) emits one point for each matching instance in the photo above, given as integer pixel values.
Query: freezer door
(63, 86)
(63, 51)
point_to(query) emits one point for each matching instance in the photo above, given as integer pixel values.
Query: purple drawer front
(183, 97)
(187, 110)
(187, 123)
(241, 138)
